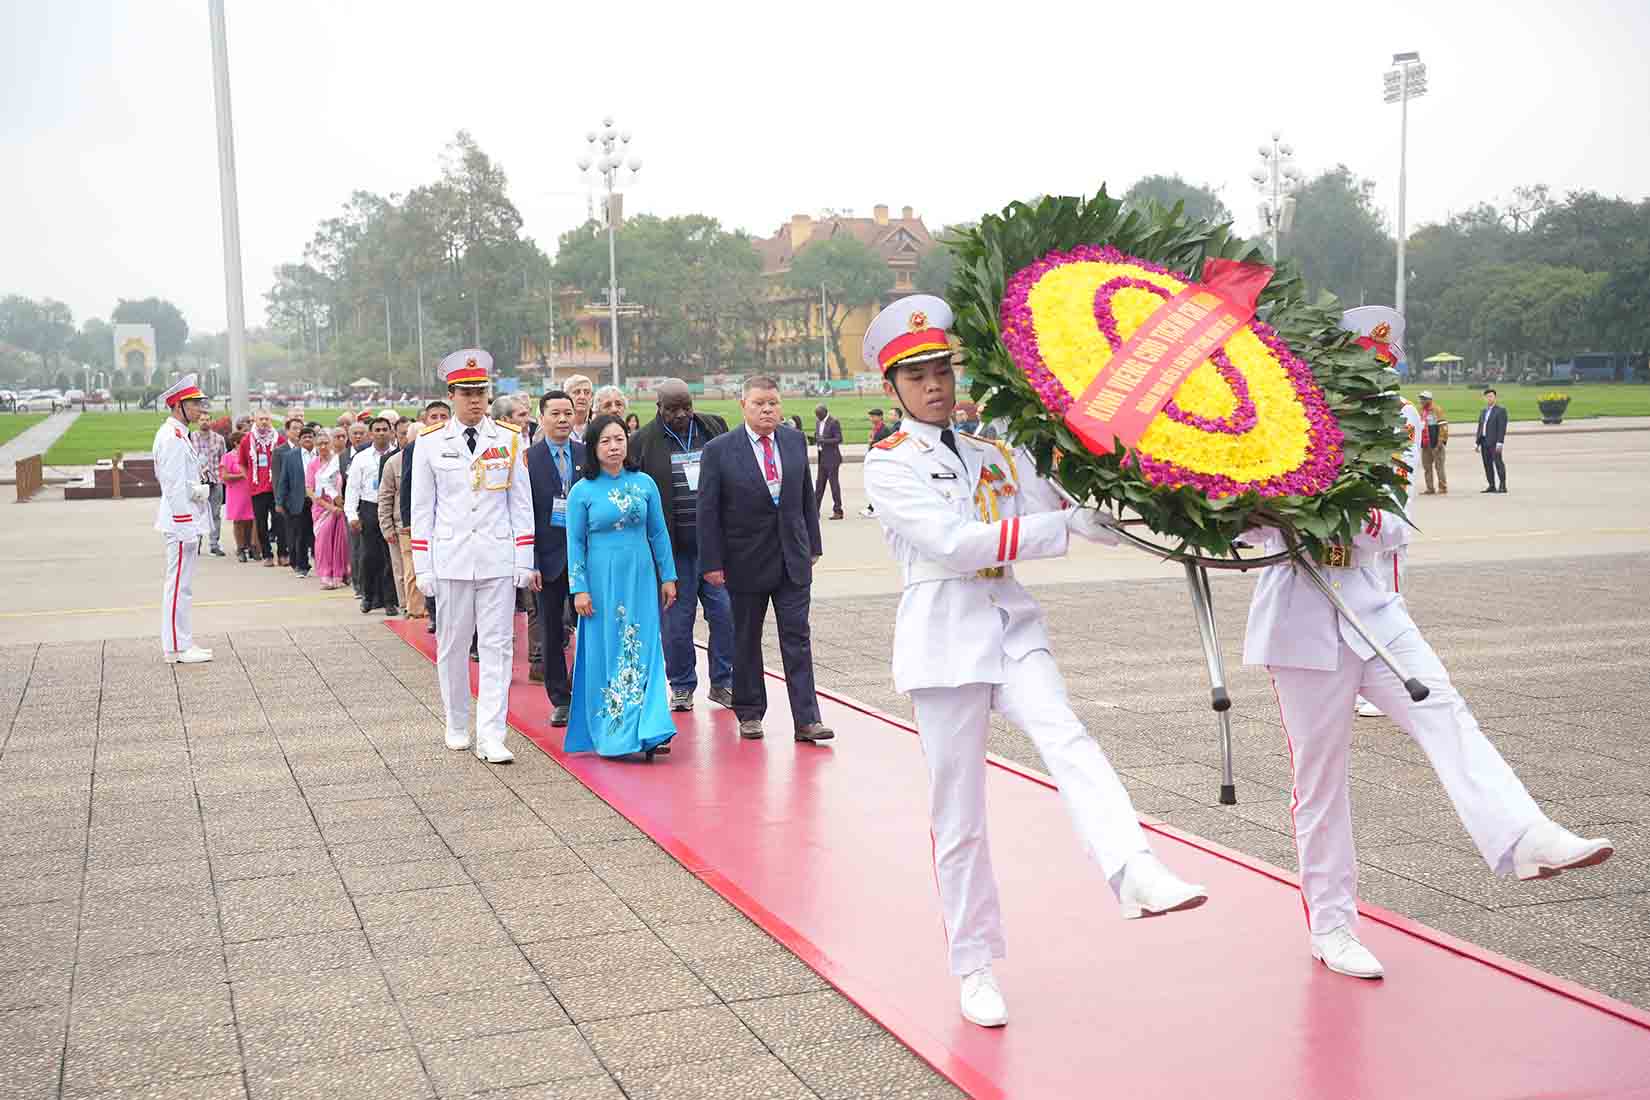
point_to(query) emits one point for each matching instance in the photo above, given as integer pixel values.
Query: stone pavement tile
(37, 864)
(529, 923)
(183, 1011)
(862, 1067)
(522, 837)
(221, 1086)
(270, 810)
(1497, 931)
(438, 799)
(156, 937)
(1403, 895)
(119, 1063)
(71, 839)
(527, 863)
(546, 890)
(576, 1088)
(118, 787)
(324, 793)
(382, 1075)
(714, 939)
(372, 853)
(633, 882)
(599, 954)
(642, 852)
(280, 863)
(1598, 970)
(771, 973)
(805, 1019)
(1595, 922)
(31, 1052)
(287, 994)
(342, 1029)
(132, 906)
(455, 903)
(749, 1077)
(241, 842)
(138, 855)
(366, 809)
(664, 1038)
(688, 907)
(37, 987)
(507, 1061)
(124, 976)
(474, 1013)
(387, 830)
(295, 955)
(64, 885)
(175, 809)
(441, 936)
(414, 875)
(247, 901)
(630, 992)
(459, 971)
(592, 830)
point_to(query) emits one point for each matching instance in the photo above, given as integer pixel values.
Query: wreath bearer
(958, 512)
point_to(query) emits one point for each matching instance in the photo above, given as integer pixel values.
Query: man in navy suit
(291, 501)
(759, 536)
(553, 466)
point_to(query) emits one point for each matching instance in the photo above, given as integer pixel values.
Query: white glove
(524, 577)
(1094, 524)
(426, 585)
(200, 494)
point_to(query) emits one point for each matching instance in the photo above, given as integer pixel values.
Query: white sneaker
(459, 741)
(867, 511)
(493, 753)
(1150, 889)
(1366, 709)
(1341, 952)
(194, 655)
(1546, 848)
(982, 1000)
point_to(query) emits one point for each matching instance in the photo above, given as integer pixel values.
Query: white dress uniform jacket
(1292, 625)
(177, 467)
(952, 631)
(472, 513)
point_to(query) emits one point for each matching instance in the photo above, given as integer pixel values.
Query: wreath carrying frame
(1202, 532)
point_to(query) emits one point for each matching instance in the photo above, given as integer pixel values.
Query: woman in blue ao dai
(621, 572)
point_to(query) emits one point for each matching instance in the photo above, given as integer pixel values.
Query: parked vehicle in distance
(40, 401)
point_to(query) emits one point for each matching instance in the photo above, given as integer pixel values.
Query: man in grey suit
(1492, 434)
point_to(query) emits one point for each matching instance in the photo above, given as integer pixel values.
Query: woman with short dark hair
(621, 572)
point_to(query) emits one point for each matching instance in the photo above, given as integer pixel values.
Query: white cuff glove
(200, 494)
(523, 577)
(426, 585)
(1094, 524)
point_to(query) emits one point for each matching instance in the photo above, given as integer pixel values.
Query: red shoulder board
(891, 442)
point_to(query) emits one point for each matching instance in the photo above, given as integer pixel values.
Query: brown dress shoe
(814, 731)
(751, 729)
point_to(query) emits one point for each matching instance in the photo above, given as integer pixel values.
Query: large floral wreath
(1287, 423)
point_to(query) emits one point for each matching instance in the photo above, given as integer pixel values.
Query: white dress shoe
(1149, 889)
(493, 753)
(1546, 848)
(982, 1000)
(194, 655)
(1341, 952)
(1366, 709)
(459, 741)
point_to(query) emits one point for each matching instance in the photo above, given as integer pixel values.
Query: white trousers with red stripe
(487, 610)
(1317, 719)
(177, 593)
(953, 723)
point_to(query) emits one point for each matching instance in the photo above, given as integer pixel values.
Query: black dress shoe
(560, 714)
(217, 553)
(391, 611)
(1491, 489)
(430, 629)
(366, 607)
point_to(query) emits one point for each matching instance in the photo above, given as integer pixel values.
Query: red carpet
(827, 849)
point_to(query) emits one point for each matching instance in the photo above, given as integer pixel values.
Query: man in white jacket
(958, 512)
(1319, 664)
(181, 517)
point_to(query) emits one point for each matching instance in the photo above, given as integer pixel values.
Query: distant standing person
(611, 401)
(880, 430)
(181, 517)
(759, 536)
(1492, 435)
(582, 391)
(1434, 439)
(209, 449)
(366, 471)
(292, 505)
(828, 440)
(258, 460)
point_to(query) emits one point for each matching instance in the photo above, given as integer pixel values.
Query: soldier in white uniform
(1318, 664)
(180, 516)
(472, 547)
(958, 512)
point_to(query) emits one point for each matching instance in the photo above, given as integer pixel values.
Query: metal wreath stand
(1197, 568)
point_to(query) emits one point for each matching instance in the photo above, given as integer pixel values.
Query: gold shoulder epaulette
(432, 428)
(506, 425)
(891, 442)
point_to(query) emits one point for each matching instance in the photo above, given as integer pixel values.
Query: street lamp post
(611, 144)
(231, 213)
(1276, 180)
(1406, 82)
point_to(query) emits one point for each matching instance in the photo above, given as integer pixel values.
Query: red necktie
(769, 470)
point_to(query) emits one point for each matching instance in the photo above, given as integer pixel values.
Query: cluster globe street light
(1405, 82)
(1276, 179)
(603, 161)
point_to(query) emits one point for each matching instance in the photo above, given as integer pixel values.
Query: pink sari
(331, 529)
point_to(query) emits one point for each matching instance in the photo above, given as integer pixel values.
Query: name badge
(945, 476)
(263, 461)
(558, 512)
(449, 454)
(689, 462)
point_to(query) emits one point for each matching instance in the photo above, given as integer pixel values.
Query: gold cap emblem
(918, 322)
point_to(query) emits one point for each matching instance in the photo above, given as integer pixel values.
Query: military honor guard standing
(472, 546)
(958, 512)
(181, 517)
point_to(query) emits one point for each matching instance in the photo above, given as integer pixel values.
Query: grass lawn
(1586, 400)
(96, 435)
(13, 425)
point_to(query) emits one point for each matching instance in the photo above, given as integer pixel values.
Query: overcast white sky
(752, 112)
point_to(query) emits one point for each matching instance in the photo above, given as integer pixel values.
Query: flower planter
(1552, 412)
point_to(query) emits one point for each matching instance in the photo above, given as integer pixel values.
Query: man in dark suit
(759, 536)
(291, 500)
(1492, 433)
(553, 466)
(828, 439)
(436, 413)
(670, 449)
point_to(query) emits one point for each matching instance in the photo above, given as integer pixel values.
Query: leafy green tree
(171, 330)
(94, 344)
(1165, 191)
(934, 269)
(44, 327)
(852, 276)
(1339, 239)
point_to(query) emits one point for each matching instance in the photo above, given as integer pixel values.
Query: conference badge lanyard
(687, 458)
